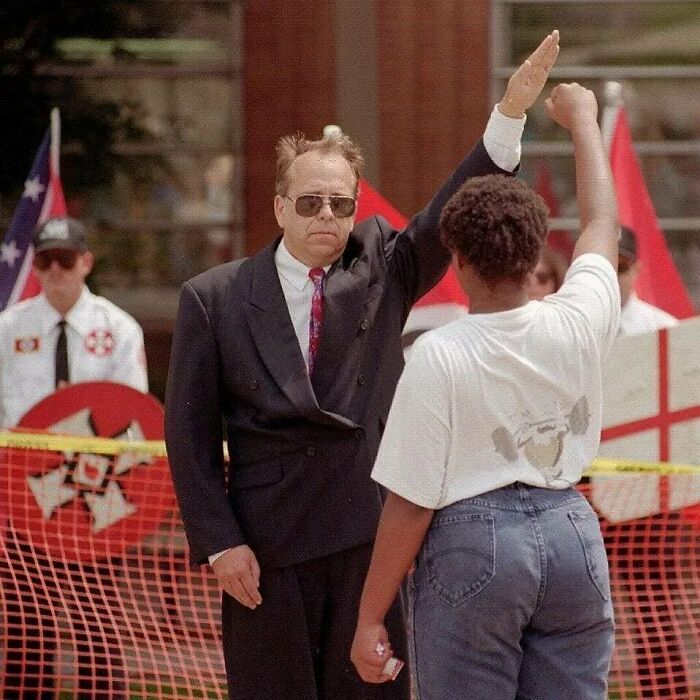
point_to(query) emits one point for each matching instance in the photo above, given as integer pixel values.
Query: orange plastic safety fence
(655, 580)
(98, 599)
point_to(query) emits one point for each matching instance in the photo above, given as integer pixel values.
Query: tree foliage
(30, 34)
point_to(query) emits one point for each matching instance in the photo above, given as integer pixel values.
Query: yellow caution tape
(624, 466)
(156, 448)
(89, 445)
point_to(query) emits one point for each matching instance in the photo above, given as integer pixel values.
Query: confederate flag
(42, 199)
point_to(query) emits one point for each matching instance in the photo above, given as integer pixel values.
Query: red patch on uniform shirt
(27, 344)
(100, 342)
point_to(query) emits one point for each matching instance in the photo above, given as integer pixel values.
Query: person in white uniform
(103, 343)
(493, 422)
(63, 336)
(637, 316)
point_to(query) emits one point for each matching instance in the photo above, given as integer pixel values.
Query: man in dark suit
(299, 348)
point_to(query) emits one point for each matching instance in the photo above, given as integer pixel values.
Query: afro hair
(498, 225)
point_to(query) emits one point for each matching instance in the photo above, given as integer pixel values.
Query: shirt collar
(293, 270)
(75, 316)
(50, 317)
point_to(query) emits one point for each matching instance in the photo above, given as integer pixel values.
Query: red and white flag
(559, 240)
(659, 282)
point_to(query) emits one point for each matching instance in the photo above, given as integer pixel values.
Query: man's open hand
(525, 85)
(239, 575)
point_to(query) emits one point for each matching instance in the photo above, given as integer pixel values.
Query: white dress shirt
(298, 288)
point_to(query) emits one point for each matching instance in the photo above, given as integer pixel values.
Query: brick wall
(289, 86)
(432, 79)
(433, 92)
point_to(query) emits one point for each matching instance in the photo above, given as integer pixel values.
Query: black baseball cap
(64, 232)
(627, 244)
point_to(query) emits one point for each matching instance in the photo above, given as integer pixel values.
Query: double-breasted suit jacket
(301, 450)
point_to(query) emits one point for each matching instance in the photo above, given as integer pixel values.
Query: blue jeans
(510, 599)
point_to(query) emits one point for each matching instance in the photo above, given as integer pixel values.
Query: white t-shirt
(104, 344)
(640, 317)
(491, 399)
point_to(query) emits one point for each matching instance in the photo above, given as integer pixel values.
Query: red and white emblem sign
(27, 344)
(81, 506)
(100, 342)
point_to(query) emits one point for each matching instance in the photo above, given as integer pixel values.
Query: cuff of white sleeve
(214, 557)
(502, 138)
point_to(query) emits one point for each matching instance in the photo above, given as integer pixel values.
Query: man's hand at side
(239, 575)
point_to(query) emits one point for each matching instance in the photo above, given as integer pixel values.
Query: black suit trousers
(296, 644)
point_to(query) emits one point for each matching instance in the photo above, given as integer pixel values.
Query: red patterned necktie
(316, 317)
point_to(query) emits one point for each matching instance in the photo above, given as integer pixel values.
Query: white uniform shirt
(640, 317)
(104, 344)
(491, 399)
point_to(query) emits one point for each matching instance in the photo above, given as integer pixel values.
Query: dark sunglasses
(308, 205)
(65, 258)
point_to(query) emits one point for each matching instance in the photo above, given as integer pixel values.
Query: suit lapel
(345, 298)
(272, 330)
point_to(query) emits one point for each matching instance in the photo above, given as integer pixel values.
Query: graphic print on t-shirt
(542, 441)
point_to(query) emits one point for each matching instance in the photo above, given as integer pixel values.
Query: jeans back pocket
(588, 529)
(460, 555)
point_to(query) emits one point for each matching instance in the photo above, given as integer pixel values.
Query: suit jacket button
(311, 450)
(255, 384)
(364, 325)
(361, 379)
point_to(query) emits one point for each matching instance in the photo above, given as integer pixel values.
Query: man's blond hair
(289, 148)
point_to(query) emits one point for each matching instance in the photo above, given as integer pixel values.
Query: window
(163, 77)
(651, 48)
